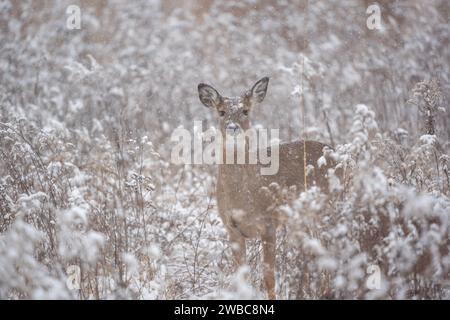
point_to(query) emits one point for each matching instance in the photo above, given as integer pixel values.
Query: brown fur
(245, 197)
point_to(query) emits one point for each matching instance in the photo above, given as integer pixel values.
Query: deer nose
(232, 128)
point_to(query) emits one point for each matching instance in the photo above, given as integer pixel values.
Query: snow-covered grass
(86, 182)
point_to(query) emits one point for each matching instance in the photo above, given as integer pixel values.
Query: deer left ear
(209, 96)
(258, 92)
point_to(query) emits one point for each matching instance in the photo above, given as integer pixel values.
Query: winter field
(92, 207)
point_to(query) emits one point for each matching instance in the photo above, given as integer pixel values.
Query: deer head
(233, 112)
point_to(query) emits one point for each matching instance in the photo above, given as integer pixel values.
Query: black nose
(232, 126)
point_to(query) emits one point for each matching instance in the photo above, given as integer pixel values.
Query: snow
(321, 162)
(86, 178)
(428, 139)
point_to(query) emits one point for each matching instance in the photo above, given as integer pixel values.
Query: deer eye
(221, 113)
(245, 112)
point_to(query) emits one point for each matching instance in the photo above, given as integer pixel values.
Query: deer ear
(259, 90)
(208, 95)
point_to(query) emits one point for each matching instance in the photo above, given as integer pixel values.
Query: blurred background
(87, 116)
(153, 54)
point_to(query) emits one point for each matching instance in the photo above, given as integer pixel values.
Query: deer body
(239, 187)
(246, 205)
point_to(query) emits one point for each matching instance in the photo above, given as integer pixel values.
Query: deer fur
(245, 196)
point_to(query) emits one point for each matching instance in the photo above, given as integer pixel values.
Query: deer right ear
(209, 96)
(258, 92)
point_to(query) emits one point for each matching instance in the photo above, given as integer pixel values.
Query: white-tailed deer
(245, 207)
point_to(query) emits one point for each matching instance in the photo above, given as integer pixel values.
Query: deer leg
(238, 248)
(268, 242)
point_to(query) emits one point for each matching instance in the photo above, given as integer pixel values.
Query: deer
(244, 206)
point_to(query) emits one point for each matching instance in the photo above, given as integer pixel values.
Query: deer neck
(231, 171)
